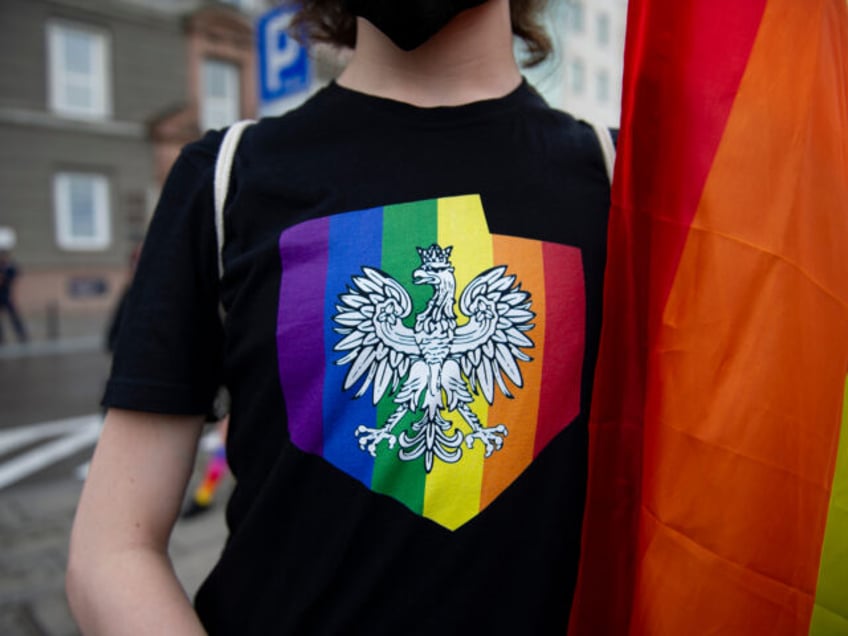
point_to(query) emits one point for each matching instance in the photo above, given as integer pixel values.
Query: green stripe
(830, 614)
(405, 227)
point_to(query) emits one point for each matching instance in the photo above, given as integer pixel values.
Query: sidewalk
(81, 344)
(72, 332)
(77, 333)
(35, 522)
(39, 382)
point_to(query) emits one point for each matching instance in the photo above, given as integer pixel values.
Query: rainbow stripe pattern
(319, 259)
(718, 486)
(215, 470)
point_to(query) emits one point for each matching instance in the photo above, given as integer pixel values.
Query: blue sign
(283, 62)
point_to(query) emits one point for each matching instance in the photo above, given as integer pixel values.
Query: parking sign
(283, 62)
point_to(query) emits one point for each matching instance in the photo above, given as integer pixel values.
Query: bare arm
(120, 579)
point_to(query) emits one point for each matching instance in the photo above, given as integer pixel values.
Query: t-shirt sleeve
(168, 353)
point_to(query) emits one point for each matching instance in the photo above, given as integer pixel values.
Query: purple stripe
(300, 346)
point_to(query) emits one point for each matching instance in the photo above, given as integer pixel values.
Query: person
(8, 274)
(411, 283)
(215, 470)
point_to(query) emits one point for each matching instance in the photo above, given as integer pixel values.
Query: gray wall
(148, 60)
(148, 53)
(30, 156)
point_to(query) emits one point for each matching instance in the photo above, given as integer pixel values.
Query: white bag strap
(607, 147)
(223, 170)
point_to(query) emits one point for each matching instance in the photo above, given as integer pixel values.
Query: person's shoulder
(550, 120)
(203, 152)
(310, 115)
(569, 139)
(564, 127)
(271, 136)
(569, 142)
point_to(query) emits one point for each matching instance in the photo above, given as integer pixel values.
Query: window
(78, 71)
(82, 211)
(220, 94)
(603, 29)
(603, 86)
(246, 5)
(578, 76)
(575, 16)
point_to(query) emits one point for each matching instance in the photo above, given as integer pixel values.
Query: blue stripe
(355, 240)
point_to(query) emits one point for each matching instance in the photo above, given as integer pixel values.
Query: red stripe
(565, 324)
(683, 66)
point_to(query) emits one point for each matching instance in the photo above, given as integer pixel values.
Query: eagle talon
(370, 438)
(492, 438)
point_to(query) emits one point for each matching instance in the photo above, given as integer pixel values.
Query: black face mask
(410, 23)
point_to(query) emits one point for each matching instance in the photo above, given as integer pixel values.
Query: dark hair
(329, 21)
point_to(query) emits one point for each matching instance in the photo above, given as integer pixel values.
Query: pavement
(35, 522)
(40, 384)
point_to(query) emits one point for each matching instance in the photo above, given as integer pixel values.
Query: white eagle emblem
(434, 367)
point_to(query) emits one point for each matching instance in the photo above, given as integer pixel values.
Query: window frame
(603, 86)
(603, 29)
(99, 81)
(576, 16)
(208, 122)
(577, 70)
(102, 217)
(251, 6)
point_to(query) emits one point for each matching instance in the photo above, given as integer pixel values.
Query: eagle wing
(375, 342)
(490, 344)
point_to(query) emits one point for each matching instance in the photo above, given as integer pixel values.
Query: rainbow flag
(718, 487)
(347, 276)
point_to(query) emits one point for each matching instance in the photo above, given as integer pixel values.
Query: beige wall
(35, 290)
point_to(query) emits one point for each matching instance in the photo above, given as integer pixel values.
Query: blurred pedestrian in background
(8, 273)
(411, 281)
(214, 471)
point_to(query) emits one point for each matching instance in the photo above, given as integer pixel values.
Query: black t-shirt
(413, 304)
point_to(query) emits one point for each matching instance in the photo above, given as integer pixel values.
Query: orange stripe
(524, 260)
(745, 379)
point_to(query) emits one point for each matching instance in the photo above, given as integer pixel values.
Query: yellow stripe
(830, 613)
(452, 491)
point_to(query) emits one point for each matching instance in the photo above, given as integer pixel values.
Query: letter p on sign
(283, 62)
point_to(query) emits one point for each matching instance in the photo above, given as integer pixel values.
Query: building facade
(96, 98)
(584, 76)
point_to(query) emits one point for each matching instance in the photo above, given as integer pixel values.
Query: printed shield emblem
(423, 355)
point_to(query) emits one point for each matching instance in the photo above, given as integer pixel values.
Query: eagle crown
(435, 257)
(436, 270)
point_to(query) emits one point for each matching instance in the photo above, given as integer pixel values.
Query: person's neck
(471, 59)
